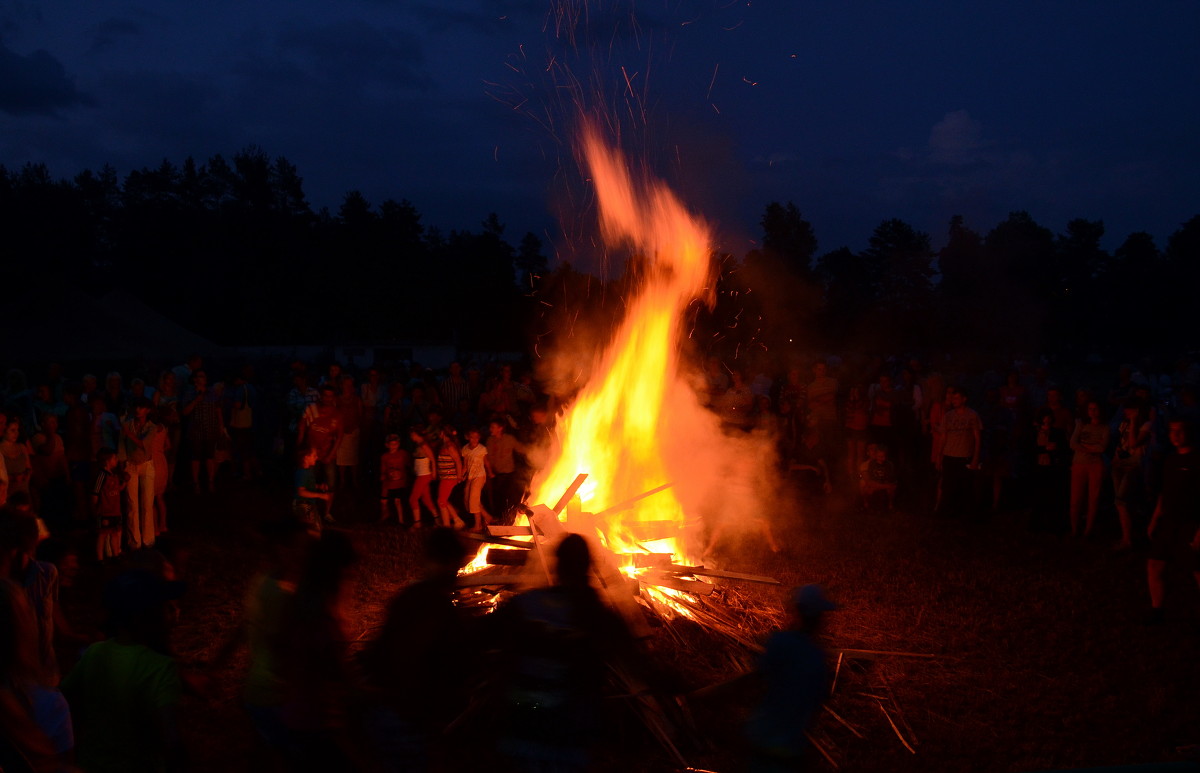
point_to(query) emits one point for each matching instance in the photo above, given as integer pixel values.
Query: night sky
(856, 111)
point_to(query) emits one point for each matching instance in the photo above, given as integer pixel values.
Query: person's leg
(1095, 479)
(146, 483)
(1154, 579)
(133, 500)
(1078, 489)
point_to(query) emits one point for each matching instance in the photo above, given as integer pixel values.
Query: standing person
(80, 457)
(560, 640)
(449, 475)
(106, 505)
(166, 403)
(1175, 526)
(137, 452)
(794, 670)
(127, 688)
(422, 476)
(501, 447)
(393, 479)
(314, 661)
(50, 475)
(956, 456)
(1050, 474)
(857, 421)
(242, 396)
(409, 708)
(350, 408)
(454, 388)
(1133, 436)
(822, 405)
(323, 432)
(160, 448)
(15, 456)
(205, 427)
(374, 398)
(475, 457)
(1088, 441)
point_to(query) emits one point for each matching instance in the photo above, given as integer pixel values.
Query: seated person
(877, 477)
(808, 466)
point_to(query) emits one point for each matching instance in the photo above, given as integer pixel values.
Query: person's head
(137, 387)
(18, 538)
(473, 438)
(1093, 411)
(955, 397)
(879, 452)
(1045, 419)
(112, 382)
(574, 561)
(107, 459)
(885, 381)
(328, 396)
(448, 436)
(309, 456)
(445, 554)
(49, 423)
(70, 395)
(199, 379)
(42, 393)
(392, 443)
(1134, 409)
(142, 407)
(347, 382)
(89, 383)
(167, 381)
(495, 428)
(12, 430)
(820, 369)
(300, 380)
(1181, 434)
(417, 435)
(455, 369)
(335, 371)
(808, 606)
(1054, 397)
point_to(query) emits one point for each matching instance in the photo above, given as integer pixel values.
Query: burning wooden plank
(505, 557)
(569, 493)
(675, 582)
(628, 503)
(700, 571)
(512, 543)
(496, 530)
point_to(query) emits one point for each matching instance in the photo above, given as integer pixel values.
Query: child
(393, 479)
(106, 505)
(877, 474)
(308, 491)
(478, 471)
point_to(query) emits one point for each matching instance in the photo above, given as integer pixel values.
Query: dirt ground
(1020, 651)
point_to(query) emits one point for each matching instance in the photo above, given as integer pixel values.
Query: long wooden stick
(895, 729)
(820, 748)
(893, 653)
(570, 492)
(628, 503)
(845, 724)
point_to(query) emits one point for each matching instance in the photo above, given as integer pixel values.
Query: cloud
(956, 140)
(110, 31)
(36, 84)
(354, 51)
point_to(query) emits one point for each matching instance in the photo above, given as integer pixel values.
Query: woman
(1133, 436)
(422, 476)
(166, 401)
(16, 457)
(160, 449)
(1088, 441)
(856, 420)
(450, 474)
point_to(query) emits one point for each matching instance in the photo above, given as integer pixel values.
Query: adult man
(505, 485)
(1176, 520)
(796, 677)
(956, 456)
(323, 432)
(453, 389)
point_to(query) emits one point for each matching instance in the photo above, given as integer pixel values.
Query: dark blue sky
(856, 111)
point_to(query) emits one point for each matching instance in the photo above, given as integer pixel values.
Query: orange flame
(620, 426)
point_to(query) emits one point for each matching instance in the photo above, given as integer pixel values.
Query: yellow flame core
(616, 430)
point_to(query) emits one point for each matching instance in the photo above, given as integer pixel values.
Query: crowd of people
(96, 462)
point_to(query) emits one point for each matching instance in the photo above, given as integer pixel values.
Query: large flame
(623, 428)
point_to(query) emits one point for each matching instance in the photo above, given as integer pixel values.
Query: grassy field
(1034, 652)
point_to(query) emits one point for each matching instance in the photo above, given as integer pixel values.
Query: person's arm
(487, 467)
(338, 434)
(305, 493)
(460, 471)
(1096, 447)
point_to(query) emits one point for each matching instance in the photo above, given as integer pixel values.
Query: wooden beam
(700, 571)
(496, 530)
(628, 503)
(506, 557)
(570, 492)
(512, 543)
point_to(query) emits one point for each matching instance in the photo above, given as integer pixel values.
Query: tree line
(233, 250)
